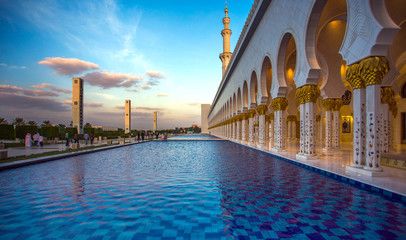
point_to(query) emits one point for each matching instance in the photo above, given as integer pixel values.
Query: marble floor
(335, 161)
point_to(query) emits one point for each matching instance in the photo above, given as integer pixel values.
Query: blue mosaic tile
(191, 190)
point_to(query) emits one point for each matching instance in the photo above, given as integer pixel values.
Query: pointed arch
(253, 90)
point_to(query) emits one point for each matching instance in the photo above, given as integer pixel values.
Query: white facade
(205, 108)
(318, 61)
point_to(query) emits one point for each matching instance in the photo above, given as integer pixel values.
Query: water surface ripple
(187, 190)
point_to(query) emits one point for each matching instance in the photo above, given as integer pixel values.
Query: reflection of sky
(159, 54)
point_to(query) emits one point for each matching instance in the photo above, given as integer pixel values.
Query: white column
(289, 125)
(390, 131)
(385, 128)
(302, 129)
(238, 130)
(327, 141)
(244, 138)
(279, 134)
(294, 130)
(310, 125)
(336, 129)
(251, 131)
(261, 133)
(374, 120)
(358, 107)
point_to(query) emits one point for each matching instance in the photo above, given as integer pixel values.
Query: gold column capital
(244, 116)
(373, 69)
(251, 113)
(262, 109)
(338, 103)
(279, 104)
(318, 118)
(332, 104)
(353, 77)
(393, 106)
(307, 93)
(271, 116)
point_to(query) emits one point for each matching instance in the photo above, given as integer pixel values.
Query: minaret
(77, 104)
(226, 33)
(127, 118)
(155, 122)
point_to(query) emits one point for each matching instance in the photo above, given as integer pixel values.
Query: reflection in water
(189, 189)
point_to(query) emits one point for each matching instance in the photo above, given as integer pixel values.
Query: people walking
(68, 137)
(138, 136)
(76, 138)
(35, 137)
(91, 138)
(142, 135)
(41, 141)
(156, 135)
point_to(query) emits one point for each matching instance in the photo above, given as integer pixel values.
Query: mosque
(323, 73)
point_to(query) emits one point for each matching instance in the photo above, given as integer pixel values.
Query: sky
(162, 55)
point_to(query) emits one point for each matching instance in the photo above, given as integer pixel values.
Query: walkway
(336, 161)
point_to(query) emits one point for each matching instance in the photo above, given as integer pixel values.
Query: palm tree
(18, 122)
(87, 125)
(46, 123)
(32, 123)
(3, 121)
(61, 125)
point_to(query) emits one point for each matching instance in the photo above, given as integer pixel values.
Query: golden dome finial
(226, 10)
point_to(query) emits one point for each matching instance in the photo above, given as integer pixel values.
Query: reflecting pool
(187, 189)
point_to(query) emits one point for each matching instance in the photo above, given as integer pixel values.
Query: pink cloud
(162, 95)
(28, 92)
(19, 101)
(52, 87)
(155, 74)
(68, 66)
(106, 80)
(145, 87)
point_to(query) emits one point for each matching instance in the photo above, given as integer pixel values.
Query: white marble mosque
(322, 73)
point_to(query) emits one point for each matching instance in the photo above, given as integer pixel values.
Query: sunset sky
(162, 55)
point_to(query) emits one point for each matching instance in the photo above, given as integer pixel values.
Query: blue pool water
(188, 190)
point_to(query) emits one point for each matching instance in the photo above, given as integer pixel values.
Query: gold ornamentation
(373, 69)
(238, 118)
(271, 116)
(279, 104)
(393, 107)
(387, 94)
(244, 116)
(307, 93)
(318, 118)
(251, 113)
(338, 103)
(262, 109)
(353, 77)
(332, 104)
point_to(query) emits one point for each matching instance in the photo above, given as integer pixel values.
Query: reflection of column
(234, 128)
(307, 96)
(318, 128)
(386, 97)
(238, 122)
(271, 131)
(244, 137)
(279, 105)
(262, 109)
(291, 127)
(373, 70)
(358, 106)
(251, 123)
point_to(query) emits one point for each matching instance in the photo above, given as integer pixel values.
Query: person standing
(91, 138)
(41, 141)
(142, 135)
(138, 136)
(156, 135)
(28, 140)
(67, 139)
(86, 136)
(35, 137)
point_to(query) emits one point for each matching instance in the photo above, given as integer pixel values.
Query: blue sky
(162, 55)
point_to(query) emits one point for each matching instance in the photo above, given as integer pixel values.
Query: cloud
(106, 80)
(52, 87)
(121, 107)
(145, 87)
(68, 66)
(133, 90)
(12, 66)
(193, 104)
(103, 95)
(28, 92)
(15, 100)
(162, 95)
(149, 108)
(152, 74)
(86, 104)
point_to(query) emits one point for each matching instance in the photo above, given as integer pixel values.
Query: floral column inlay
(244, 131)
(387, 94)
(307, 96)
(271, 131)
(358, 94)
(279, 105)
(238, 123)
(262, 109)
(251, 114)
